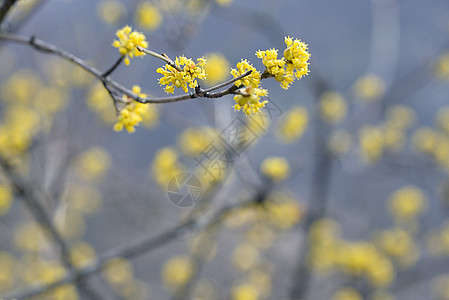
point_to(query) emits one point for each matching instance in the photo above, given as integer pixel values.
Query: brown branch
(48, 48)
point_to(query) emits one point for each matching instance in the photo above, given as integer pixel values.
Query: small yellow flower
(372, 143)
(275, 168)
(252, 79)
(249, 100)
(128, 42)
(245, 292)
(132, 114)
(188, 75)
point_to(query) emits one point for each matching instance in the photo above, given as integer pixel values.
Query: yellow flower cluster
(99, 101)
(371, 143)
(252, 79)
(249, 100)
(293, 125)
(132, 114)
(128, 42)
(273, 65)
(275, 168)
(188, 75)
(293, 65)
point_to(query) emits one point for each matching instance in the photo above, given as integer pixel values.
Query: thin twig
(165, 58)
(114, 66)
(32, 200)
(4, 9)
(45, 47)
(131, 250)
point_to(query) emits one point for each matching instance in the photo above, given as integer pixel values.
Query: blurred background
(337, 189)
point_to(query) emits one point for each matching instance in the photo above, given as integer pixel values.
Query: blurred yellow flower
(293, 125)
(177, 271)
(245, 292)
(407, 203)
(111, 11)
(117, 271)
(165, 166)
(6, 199)
(93, 164)
(245, 257)
(148, 16)
(340, 142)
(347, 294)
(332, 107)
(371, 143)
(217, 68)
(275, 168)
(369, 87)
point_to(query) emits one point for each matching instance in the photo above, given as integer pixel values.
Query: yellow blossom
(275, 168)
(132, 114)
(84, 200)
(297, 56)
(407, 203)
(217, 68)
(371, 143)
(30, 237)
(398, 244)
(111, 11)
(128, 42)
(117, 271)
(93, 164)
(20, 87)
(400, 116)
(249, 100)
(245, 292)
(148, 16)
(193, 141)
(165, 166)
(81, 254)
(369, 87)
(275, 66)
(332, 107)
(185, 78)
(252, 80)
(70, 224)
(177, 271)
(293, 125)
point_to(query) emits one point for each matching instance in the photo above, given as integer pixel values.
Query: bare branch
(134, 249)
(4, 9)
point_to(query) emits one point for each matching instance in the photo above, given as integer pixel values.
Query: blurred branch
(132, 250)
(4, 9)
(323, 165)
(48, 48)
(32, 200)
